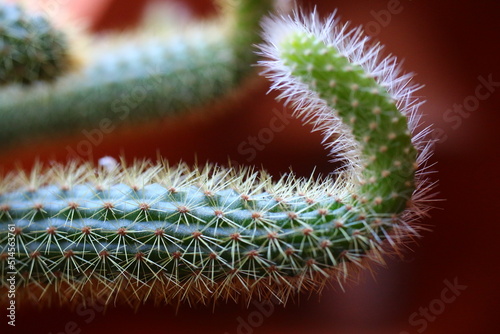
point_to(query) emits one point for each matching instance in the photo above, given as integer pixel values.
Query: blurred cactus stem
(126, 79)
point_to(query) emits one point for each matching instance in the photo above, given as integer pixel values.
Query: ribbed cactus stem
(172, 234)
(139, 80)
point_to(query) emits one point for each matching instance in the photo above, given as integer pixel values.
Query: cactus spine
(172, 234)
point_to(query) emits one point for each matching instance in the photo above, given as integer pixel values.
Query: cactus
(141, 78)
(30, 48)
(152, 232)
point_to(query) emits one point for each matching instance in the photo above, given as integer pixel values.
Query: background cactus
(142, 77)
(171, 234)
(30, 48)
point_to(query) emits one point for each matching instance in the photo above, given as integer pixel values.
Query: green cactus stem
(174, 234)
(140, 79)
(30, 48)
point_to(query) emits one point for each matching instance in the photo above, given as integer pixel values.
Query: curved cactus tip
(337, 79)
(175, 234)
(31, 48)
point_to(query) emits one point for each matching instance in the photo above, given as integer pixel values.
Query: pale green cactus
(172, 234)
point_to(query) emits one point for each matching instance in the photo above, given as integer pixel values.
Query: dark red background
(449, 44)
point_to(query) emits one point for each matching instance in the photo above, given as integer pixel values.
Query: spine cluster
(171, 234)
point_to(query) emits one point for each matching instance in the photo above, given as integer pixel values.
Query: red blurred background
(450, 44)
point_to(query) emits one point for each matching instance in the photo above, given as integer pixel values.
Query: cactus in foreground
(142, 77)
(171, 234)
(30, 48)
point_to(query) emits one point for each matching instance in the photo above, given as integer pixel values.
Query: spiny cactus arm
(30, 48)
(138, 81)
(337, 80)
(172, 234)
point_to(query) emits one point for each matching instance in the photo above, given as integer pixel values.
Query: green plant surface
(176, 234)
